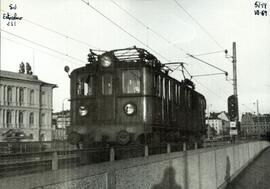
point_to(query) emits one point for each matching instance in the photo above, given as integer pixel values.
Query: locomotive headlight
(106, 61)
(130, 109)
(83, 111)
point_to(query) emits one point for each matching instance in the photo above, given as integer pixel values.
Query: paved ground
(256, 175)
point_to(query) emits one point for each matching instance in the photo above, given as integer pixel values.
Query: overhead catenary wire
(123, 29)
(203, 28)
(147, 27)
(164, 38)
(157, 33)
(58, 33)
(192, 56)
(203, 54)
(43, 46)
(140, 22)
(98, 49)
(211, 91)
(58, 57)
(71, 38)
(202, 75)
(183, 70)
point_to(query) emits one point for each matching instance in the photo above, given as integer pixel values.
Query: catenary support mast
(235, 78)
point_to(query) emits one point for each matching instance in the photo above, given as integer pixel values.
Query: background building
(25, 106)
(255, 125)
(60, 121)
(219, 122)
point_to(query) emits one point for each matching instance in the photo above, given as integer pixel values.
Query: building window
(32, 99)
(43, 98)
(9, 95)
(31, 118)
(43, 119)
(21, 96)
(107, 84)
(20, 119)
(8, 118)
(42, 137)
(131, 81)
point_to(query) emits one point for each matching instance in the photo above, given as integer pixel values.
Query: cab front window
(107, 84)
(131, 81)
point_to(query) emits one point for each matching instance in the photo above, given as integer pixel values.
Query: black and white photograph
(135, 94)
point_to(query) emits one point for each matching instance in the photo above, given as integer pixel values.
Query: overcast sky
(210, 26)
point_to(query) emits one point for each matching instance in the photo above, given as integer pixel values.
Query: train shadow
(168, 180)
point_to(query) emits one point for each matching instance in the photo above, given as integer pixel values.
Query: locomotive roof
(127, 55)
(134, 54)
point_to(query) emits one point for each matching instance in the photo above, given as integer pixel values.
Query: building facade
(25, 107)
(220, 122)
(61, 120)
(255, 125)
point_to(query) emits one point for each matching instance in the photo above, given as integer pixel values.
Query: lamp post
(63, 113)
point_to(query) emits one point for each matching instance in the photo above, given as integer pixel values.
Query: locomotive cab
(107, 97)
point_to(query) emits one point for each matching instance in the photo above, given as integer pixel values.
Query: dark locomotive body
(125, 96)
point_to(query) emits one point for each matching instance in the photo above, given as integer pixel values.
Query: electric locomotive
(126, 96)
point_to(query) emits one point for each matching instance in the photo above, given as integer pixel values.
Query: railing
(54, 159)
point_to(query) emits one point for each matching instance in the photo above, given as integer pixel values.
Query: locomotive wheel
(123, 137)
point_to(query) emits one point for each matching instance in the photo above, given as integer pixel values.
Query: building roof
(23, 77)
(216, 115)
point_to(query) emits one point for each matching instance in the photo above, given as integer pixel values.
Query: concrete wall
(197, 169)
